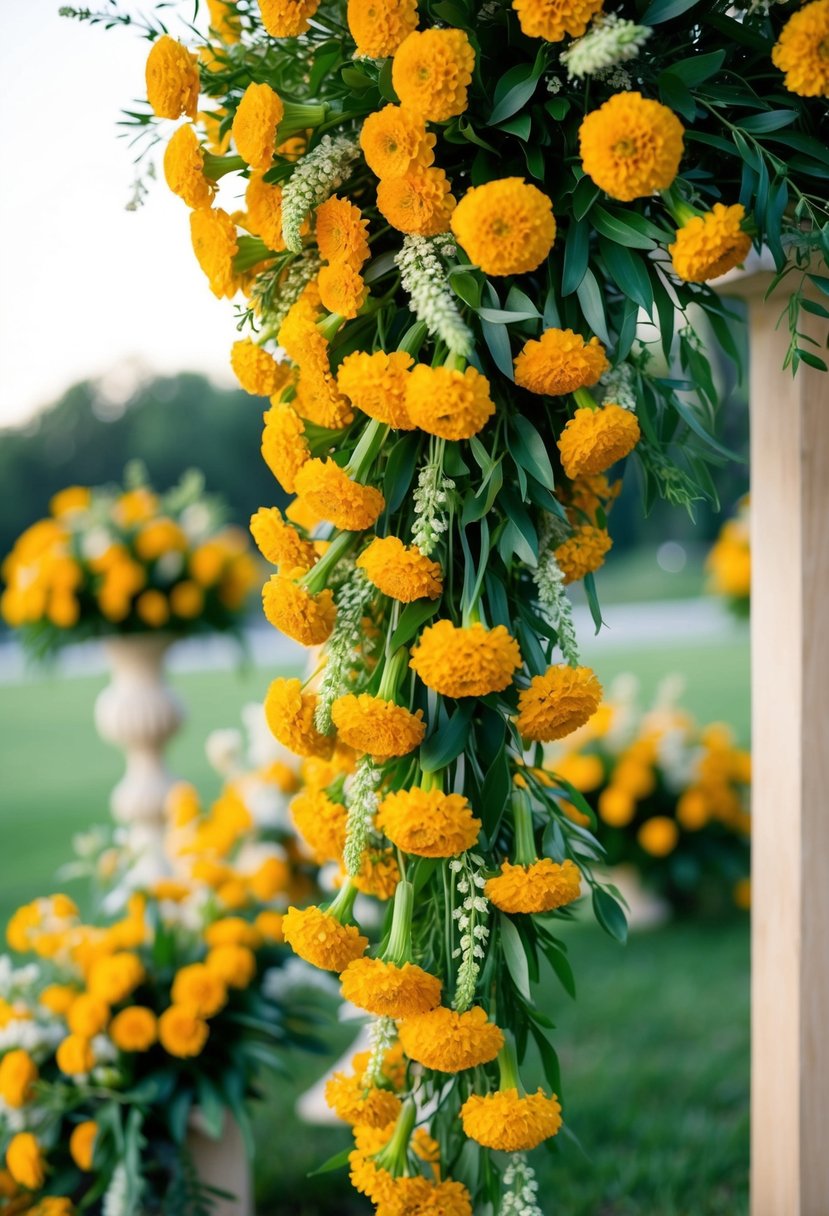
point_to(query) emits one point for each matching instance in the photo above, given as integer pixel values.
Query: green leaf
(628, 273)
(515, 957)
(447, 742)
(610, 914)
(516, 87)
(399, 472)
(770, 120)
(696, 68)
(503, 316)
(590, 298)
(665, 10)
(561, 965)
(589, 584)
(411, 618)
(576, 256)
(355, 79)
(529, 450)
(521, 126)
(497, 340)
(689, 415)
(333, 1163)
(620, 230)
(467, 287)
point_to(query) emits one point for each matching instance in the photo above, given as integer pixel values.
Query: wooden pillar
(790, 786)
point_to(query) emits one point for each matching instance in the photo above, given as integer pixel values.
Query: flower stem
(370, 443)
(393, 1157)
(413, 338)
(392, 673)
(300, 116)
(524, 853)
(681, 211)
(217, 166)
(508, 1065)
(399, 949)
(342, 907)
(316, 578)
(585, 399)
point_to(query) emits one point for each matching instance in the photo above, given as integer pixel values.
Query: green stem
(508, 1065)
(585, 399)
(455, 361)
(342, 907)
(413, 338)
(432, 781)
(392, 673)
(330, 325)
(394, 1156)
(680, 210)
(217, 166)
(300, 116)
(399, 949)
(524, 853)
(252, 251)
(370, 443)
(317, 577)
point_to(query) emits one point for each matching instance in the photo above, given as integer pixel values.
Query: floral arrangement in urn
(129, 1034)
(729, 561)
(115, 560)
(672, 797)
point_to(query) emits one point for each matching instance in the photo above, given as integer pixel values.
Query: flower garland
(449, 244)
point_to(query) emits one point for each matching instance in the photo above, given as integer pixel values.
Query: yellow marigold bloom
(395, 141)
(709, 245)
(360, 1104)
(401, 571)
(198, 988)
(18, 1073)
(82, 1144)
(631, 146)
(428, 823)
(593, 440)
(450, 1042)
(263, 202)
(87, 1015)
(258, 372)
(317, 397)
(134, 1029)
(232, 963)
(269, 925)
(224, 20)
(347, 504)
(341, 233)
(510, 1123)
(342, 289)
(554, 19)
(153, 608)
(232, 931)
(505, 226)
(279, 543)
(254, 125)
(186, 600)
(417, 1194)
(297, 613)
(172, 79)
(387, 990)
(559, 362)
(158, 537)
(290, 715)
(658, 836)
(465, 662)
(583, 552)
(114, 978)
(587, 494)
(379, 874)
(321, 939)
(378, 727)
(321, 823)
(287, 18)
(432, 71)
(70, 500)
(419, 202)
(181, 1032)
(379, 28)
(24, 1161)
(801, 50)
(57, 998)
(184, 168)
(376, 384)
(213, 234)
(75, 1056)
(558, 702)
(284, 448)
(539, 887)
(616, 806)
(448, 403)
(298, 334)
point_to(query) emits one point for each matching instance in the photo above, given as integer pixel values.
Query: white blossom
(611, 40)
(423, 278)
(520, 1189)
(552, 596)
(431, 506)
(361, 799)
(117, 1197)
(618, 386)
(223, 750)
(470, 920)
(315, 178)
(383, 1032)
(345, 646)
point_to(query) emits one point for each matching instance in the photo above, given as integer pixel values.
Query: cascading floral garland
(480, 234)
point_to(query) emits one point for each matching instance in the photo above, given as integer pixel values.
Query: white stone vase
(139, 713)
(224, 1164)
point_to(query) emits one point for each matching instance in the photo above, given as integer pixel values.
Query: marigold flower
(379, 28)
(583, 552)
(279, 543)
(213, 234)
(152, 608)
(198, 988)
(263, 203)
(269, 925)
(658, 836)
(24, 1161)
(317, 397)
(709, 245)
(593, 440)
(401, 571)
(341, 234)
(184, 168)
(346, 504)
(18, 1073)
(172, 79)
(450, 1042)
(465, 662)
(428, 823)
(232, 963)
(379, 874)
(539, 887)
(800, 51)
(449, 403)
(417, 1195)
(57, 998)
(360, 1104)
(342, 289)
(224, 20)
(75, 1056)
(506, 226)
(290, 715)
(394, 142)
(287, 18)
(321, 823)
(387, 990)
(559, 362)
(258, 372)
(258, 115)
(114, 978)
(631, 146)
(378, 727)
(431, 72)
(321, 939)
(376, 384)
(134, 1029)
(558, 703)
(87, 1015)
(181, 1032)
(297, 613)
(510, 1123)
(554, 19)
(419, 202)
(284, 447)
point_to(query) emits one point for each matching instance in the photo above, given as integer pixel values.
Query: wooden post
(790, 737)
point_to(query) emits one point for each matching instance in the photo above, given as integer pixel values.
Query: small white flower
(315, 178)
(423, 278)
(611, 40)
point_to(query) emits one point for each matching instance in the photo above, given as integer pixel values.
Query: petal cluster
(539, 887)
(510, 1123)
(557, 703)
(465, 662)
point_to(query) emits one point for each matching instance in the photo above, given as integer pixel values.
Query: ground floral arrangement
(117, 560)
(158, 1009)
(729, 561)
(471, 245)
(672, 797)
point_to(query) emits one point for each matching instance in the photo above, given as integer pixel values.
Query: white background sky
(85, 284)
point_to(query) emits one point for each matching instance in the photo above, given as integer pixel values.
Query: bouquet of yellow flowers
(472, 244)
(112, 560)
(729, 561)
(672, 797)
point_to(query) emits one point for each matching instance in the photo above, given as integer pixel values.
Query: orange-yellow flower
(465, 662)
(321, 823)
(134, 1029)
(419, 202)
(321, 939)
(114, 978)
(558, 702)
(428, 823)
(87, 1015)
(181, 1032)
(376, 384)
(377, 727)
(258, 115)
(296, 612)
(450, 1042)
(387, 990)
(379, 874)
(184, 168)
(394, 142)
(359, 1103)
(505, 226)
(594, 439)
(82, 1144)
(213, 235)
(554, 19)
(317, 396)
(197, 988)
(559, 362)
(401, 571)
(263, 202)
(224, 20)
(510, 1123)
(287, 18)
(631, 146)
(18, 1073)
(341, 234)
(379, 28)
(232, 963)
(172, 79)
(342, 289)
(801, 50)
(432, 71)
(539, 887)
(284, 447)
(258, 372)
(279, 543)
(25, 1162)
(658, 835)
(290, 715)
(75, 1056)
(449, 403)
(329, 490)
(583, 552)
(709, 245)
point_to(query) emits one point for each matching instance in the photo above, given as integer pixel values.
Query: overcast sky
(84, 284)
